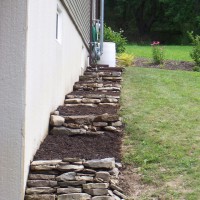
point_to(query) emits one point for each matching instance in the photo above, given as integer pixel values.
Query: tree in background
(145, 20)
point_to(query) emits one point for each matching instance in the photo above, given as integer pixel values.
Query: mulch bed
(84, 147)
(95, 92)
(87, 110)
(168, 64)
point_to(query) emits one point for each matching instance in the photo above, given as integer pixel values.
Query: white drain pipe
(102, 27)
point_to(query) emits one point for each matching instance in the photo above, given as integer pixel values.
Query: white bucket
(109, 54)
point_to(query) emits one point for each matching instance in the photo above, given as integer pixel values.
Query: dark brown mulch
(168, 64)
(84, 147)
(95, 92)
(87, 110)
(100, 82)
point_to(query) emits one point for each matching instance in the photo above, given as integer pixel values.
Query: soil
(131, 183)
(168, 64)
(87, 110)
(84, 147)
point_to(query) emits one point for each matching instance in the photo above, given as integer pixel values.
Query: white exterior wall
(13, 18)
(52, 69)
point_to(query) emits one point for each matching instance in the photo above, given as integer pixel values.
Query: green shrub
(195, 53)
(116, 37)
(125, 60)
(157, 53)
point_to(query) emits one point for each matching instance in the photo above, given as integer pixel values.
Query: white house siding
(13, 18)
(79, 10)
(52, 69)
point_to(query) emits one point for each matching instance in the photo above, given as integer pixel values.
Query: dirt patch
(87, 110)
(84, 147)
(168, 64)
(131, 183)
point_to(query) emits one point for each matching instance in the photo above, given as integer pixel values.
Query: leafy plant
(116, 37)
(125, 59)
(157, 53)
(195, 53)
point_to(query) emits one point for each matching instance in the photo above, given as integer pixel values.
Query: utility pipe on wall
(102, 26)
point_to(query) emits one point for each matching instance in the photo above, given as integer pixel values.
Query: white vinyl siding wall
(79, 11)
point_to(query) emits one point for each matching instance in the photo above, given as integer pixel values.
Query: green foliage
(157, 53)
(116, 37)
(195, 53)
(125, 59)
(145, 20)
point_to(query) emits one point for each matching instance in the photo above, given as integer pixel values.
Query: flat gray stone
(80, 119)
(95, 186)
(41, 183)
(110, 128)
(71, 125)
(95, 96)
(107, 163)
(41, 177)
(110, 88)
(119, 194)
(84, 178)
(69, 167)
(94, 132)
(71, 183)
(117, 124)
(42, 167)
(56, 112)
(86, 100)
(69, 96)
(100, 124)
(114, 172)
(69, 190)
(115, 187)
(74, 196)
(70, 176)
(56, 120)
(67, 131)
(103, 198)
(96, 192)
(45, 162)
(106, 118)
(109, 100)
(105, 176)
(40, 190)
(40, 197)
(72, 160)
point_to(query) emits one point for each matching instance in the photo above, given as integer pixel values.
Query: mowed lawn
(170, 52)
(161, 110)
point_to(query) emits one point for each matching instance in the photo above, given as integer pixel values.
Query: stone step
(112, 69)
(90, 78)
(90, 100)
(96, 84)
(92, 96)
(103, 74)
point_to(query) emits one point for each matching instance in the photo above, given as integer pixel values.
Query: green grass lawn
(171, 52)
(161, 110)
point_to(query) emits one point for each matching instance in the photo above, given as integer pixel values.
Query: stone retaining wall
(74, 179)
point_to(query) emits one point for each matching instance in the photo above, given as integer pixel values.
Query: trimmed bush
(125, 60)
